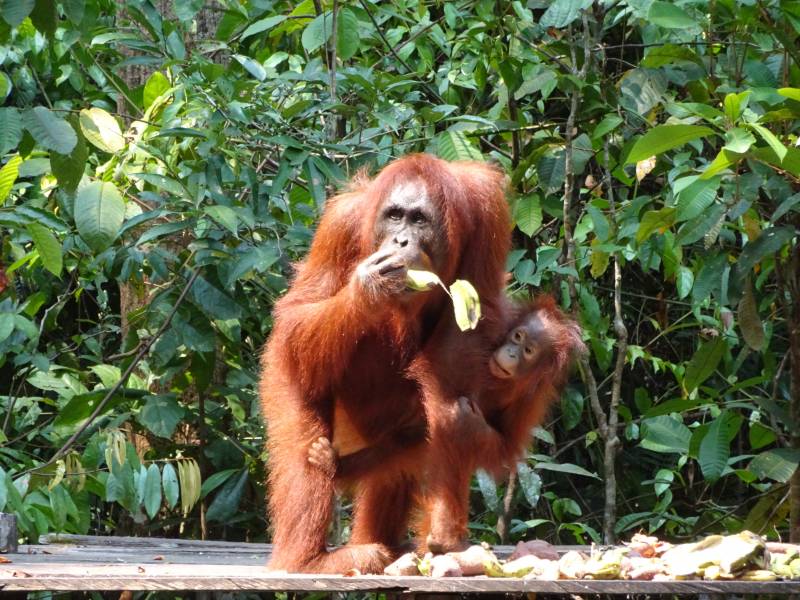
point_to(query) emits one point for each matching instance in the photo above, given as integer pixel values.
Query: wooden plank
(153, 564)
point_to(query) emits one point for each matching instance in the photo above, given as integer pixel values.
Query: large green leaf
(8, 175)
(665, 434)
(185, 10)
(152, 490)
(263, 25)
(50, 251)
(101, 129)
(10, 129)
(227, 500)
(156, 85)
(704, 363)
(670, 16)
(715, 450)
(454, 145)
(564, 468)
(49, 130)
(161, 414)
(778, 464)
(770, 241)
(45, 16)
(69, 168)
(99, 212)
(347, 39)
(528, 213)
(665, 137)
(169, 480)
(15, 11)
(561, 13)
(655, 220)
(317, 32)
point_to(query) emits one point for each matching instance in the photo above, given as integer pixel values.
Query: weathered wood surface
(157, 564)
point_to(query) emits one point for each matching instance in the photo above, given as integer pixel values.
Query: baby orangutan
(511, 390)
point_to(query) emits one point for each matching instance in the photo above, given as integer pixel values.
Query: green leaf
(10, 129)
(169, 480)
(44, 16)
(488, 490)
(528, 213)
(157, 84)
(778, 464)
(213, 302)
(227, 500)
(698, 227)
(571, 408)
(704, 363)
(81, 406)
(347, 39)
(666, 435)
(784, 207)
(739, 140)
(317, 32)
(99, 212)
(693, 200)
(161, 414)
(49, 130)
(225, 216)
(714, 450)
(216, 480)
(466, 304)
(684, 280)
(263, 25)
(665, 137)
(5, 88)
(454, 145)
(101, 129)
(791, 93)
(565, 468)
(50, 251)
(655, 220)
(69, 168)
(185, 10)
(777, 147)
(770, 241)
(15, 11)
(152, 490)
(252, 66)
(734, 104)
(749, 321)
(561, 13)
(6, 325)
(724, 160)
(8, 175)
(530, 482)
(670, 16)
(669, 54)
(609, 123)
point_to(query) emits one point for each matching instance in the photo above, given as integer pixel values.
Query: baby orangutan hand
(323, 455)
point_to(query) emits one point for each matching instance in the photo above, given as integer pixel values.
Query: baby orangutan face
(523, 347)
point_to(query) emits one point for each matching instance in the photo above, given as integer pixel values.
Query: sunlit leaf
(421, 280)
(665, 137)
(8, 175)
(466, 304)
(49, 248)
(101, 129)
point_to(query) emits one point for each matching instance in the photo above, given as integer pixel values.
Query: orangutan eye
(517, 337)
(528, 352)
(394, 214)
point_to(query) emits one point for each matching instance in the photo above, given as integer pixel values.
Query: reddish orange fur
(330, 347)
(458, 366)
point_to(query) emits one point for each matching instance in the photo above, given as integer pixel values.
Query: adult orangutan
(510, 375)
(345, 334)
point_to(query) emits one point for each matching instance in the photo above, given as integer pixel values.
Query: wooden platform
(83, 563)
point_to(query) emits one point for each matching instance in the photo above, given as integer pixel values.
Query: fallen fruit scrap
(744, 556)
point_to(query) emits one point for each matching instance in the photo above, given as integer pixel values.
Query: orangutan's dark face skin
(522, 348)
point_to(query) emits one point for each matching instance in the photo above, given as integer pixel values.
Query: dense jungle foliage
(163, 163)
